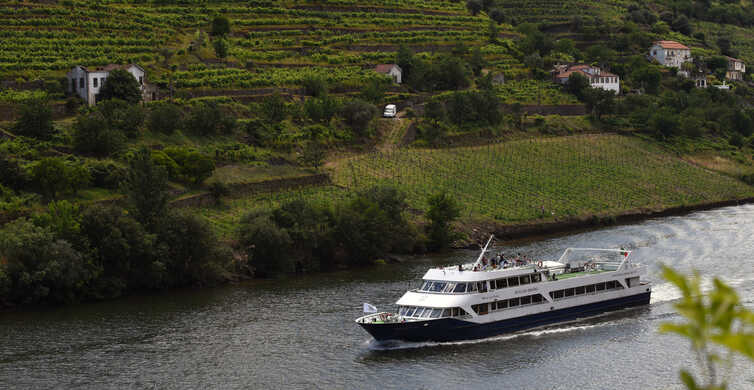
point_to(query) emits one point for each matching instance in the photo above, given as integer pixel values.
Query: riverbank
(479, 231)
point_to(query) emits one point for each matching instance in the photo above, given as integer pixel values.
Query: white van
(390, 111)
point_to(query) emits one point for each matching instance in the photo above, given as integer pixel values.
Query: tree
(712, 320)
(474, 6)
(600, 101)
(206, 118)
(404, 58)
(273, 108)
(164, 118)
(93, 135)
(197, 167)
(315, 86)
(374, 91)
(492, 32)
(313, 154)
(578, 85)
(120, 84)
(35, 120)
(682, 25)
(358, 114)
(443, 210)
(11, 173)
(221, 47)
(477, 61)
(518, 115)
(266, 245)
(497, 15)
(146, 188)
(220, 26)
(122, 117)
(50, 175)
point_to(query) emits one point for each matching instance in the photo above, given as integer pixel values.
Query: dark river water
(299, 333)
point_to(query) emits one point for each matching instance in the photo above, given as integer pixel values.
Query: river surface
(299, 333)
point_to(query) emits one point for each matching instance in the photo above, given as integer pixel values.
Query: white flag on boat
(369, 308)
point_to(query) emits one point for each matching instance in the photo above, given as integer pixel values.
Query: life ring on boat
(539, 264)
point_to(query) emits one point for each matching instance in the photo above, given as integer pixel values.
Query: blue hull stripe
(452, 329)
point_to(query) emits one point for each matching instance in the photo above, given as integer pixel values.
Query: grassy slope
(513, 181)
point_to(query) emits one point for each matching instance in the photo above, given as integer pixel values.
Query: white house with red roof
(86, 82)
(597, 77)
(736, 69)
(392, 70)
(670, 53)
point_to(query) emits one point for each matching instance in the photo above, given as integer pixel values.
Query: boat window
(513, 302)
(425, 286)
(590, 288)
(438, 286)
(460, 287)
(446, 313)
(462, 312)
(569, 292)
(418, 312)
(524, 279)
(556, 294)
(600, 286)
(493, 306)
(481, 286)
(471, 287)
(427, 311)
(526, 300)
(401, 311)
(409, 311)
(502, 304)
(436, 313)
(610, 285)
(449, 287)
(502, 283)
(454, 312)
(536, 298)
(579, 290)
(536, 278)
(513, 281)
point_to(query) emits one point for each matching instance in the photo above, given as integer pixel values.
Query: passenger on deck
(460, 267)
(476, 268)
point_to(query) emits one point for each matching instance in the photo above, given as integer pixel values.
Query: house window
(81, 83)
(95, 82)
(73, 85)
(102, 80)
(141, 80)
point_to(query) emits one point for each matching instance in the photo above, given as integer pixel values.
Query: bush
(35, 120)
(206, 119)
(266, 245)
(443, 210)
(11, 173)
(315, 86)
(164, 118)
(120, 84)
(321, 109)
(106, 174)
(273, 108)
(193, 166)
(53, 176)
(358, 114)
(220, 26)
(93, 135)
(146, 187)
(123, 117)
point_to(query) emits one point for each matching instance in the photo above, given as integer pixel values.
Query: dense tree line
(70, 253)
(302, 236)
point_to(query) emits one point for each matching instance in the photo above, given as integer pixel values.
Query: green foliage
(94, 135)
(35, 120)
(164, 118)
(442, 211)
(358, 114)
(716, 318)
(374, 91)
(221, 47)
(120, 84)
(267, 246)
(578, 85)
(220, 26)
(122, 116)
(273, 108)
(315, 86)
(313, 154)
(11, 173)
(321, 109)
(206, 118)
(53, 176)
(38, 268)
(146, 187)
(191, 165)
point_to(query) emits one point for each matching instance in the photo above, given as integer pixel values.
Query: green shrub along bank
(300, 235)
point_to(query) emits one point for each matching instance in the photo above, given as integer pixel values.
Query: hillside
(266, 132)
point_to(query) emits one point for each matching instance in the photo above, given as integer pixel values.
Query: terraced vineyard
(517, 181)
(341, 39)
(554, 11)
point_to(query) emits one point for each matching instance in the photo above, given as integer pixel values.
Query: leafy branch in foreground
(712, 321)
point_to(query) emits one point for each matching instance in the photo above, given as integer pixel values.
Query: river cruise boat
(490, 297)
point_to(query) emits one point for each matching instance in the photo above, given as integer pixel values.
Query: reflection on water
(299, 333)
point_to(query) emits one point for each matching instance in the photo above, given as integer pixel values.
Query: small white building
(86, 82)
(736, 69)
(670, 53)
(596, 76)
(391, 70)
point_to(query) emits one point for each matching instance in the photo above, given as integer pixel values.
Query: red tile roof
(671, 45)
(385, 68)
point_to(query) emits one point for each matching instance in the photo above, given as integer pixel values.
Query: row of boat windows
(461, 288)
(428, 312)
(486, 308)
(590, 289)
